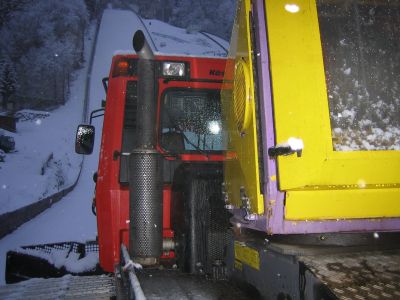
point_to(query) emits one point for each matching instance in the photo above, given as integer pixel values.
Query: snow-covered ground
(21, 181)
(173, 40)
(43, 163)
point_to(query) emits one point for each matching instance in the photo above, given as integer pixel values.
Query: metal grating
(130, 106)
(74, 247)
(67, 287)
(128, 133)
(211, 225)
(146, 206)
(241, 96)
(367, 275)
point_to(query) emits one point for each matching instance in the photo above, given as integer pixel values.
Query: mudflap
(52, 260)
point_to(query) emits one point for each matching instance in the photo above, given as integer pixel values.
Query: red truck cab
(188, 94)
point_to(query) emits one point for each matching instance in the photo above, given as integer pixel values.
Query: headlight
(174, 69)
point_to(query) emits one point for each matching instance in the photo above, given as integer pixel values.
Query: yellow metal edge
(252, 174)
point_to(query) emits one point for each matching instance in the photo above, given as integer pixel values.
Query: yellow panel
(247, 255)
(300, 97)
(342, 204)
(301, 110)
(241, 169)
(301, 107)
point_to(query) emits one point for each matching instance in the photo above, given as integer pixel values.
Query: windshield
(361, 47)
(191, 121)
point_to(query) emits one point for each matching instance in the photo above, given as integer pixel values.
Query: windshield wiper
(196, 147)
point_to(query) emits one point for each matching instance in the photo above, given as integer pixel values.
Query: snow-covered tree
(8, 81)
(93, 7)
(7, 8)
(157, 9)
(215, 17)
(45, 39)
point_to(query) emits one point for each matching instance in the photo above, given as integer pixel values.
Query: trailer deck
(364, 275)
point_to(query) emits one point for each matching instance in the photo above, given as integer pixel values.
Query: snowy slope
(42, 166)
(71, 219)
(173, 40)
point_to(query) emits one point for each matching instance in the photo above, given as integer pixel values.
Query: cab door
(330, 68)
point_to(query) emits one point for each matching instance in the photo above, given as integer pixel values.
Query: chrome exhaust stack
(145, 165)
(141, 47)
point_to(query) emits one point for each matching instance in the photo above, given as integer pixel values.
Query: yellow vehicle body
(321, 183)
(241, 169)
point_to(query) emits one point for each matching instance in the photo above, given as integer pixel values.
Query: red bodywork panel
(112, 198)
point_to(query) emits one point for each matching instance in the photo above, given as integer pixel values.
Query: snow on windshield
(360, 41)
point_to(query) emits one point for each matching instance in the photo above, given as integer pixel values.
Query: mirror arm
(105, 83)
(95, 114)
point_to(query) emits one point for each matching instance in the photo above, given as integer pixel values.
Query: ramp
(363, 275)
(293, 271)
(173, 284)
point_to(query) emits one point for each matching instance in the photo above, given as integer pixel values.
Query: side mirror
(84, 140)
